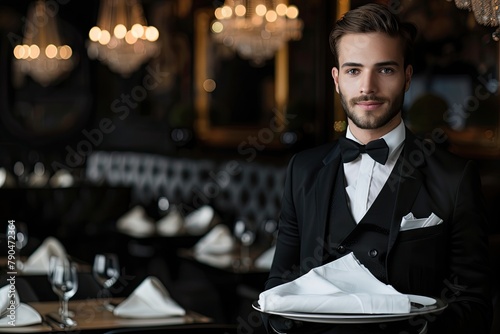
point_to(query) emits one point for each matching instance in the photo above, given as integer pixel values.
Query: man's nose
(368, 83)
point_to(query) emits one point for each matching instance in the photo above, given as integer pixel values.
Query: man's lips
(369, 105)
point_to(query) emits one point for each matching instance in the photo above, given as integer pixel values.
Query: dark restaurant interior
(143, 150)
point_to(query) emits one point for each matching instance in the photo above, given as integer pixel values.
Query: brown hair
(374, 18)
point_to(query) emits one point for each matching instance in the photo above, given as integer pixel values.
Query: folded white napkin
(136, 223)
(38, 262)
(198, 221)
(218, 241)
(61, 179)
(409, 222)
(6, 178)
(9, 298)
(17, 314)
(265, 260)
(171, 224)
(149, 300)
(39, 177)
(341, 286)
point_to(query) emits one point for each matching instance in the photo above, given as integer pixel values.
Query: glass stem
(19, 263)
(64, 308)
(245, 256)
(106, 296)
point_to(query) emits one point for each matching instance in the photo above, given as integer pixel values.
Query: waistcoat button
(373, 253)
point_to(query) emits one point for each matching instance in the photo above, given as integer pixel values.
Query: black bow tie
(377, 149)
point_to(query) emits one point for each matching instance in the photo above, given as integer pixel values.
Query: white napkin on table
(149, 300)
(409, 222)
(171, 224)
(341, 286)
(265, 260)
(218, 241)
(136, 223)
(6, 178)
(38, 262)
(198, 221)
(61, 179)
(22, 315)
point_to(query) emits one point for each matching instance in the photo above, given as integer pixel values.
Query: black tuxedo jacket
(448, 261)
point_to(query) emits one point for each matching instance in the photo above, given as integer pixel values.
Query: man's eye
(352, 71)
(387, 70)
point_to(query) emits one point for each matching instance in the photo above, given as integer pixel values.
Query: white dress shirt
(365, 177)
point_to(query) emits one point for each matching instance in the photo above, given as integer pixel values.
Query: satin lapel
(406, 180)
(324, 189)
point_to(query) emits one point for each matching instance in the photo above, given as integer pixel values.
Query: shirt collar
(393, 139)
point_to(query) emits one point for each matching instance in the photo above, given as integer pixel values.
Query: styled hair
(374, 18)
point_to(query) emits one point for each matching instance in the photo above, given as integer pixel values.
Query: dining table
(91, 316)
(236, 280)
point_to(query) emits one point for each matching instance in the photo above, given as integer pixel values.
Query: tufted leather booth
(238, 189)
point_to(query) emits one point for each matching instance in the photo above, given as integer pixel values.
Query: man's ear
(335, 76)
(408, 74)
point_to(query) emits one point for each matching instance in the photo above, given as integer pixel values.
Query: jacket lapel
(406, 180)
(324, 189)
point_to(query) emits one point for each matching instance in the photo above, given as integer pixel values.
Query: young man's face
(371, 79)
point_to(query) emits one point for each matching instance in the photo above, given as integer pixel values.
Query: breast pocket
(418, 234)
(418, 260)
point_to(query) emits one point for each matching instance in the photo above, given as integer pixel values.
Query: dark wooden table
(92, 317)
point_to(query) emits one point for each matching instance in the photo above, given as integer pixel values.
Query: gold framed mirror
(237, 103)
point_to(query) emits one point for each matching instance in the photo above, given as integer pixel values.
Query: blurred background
(205, 98)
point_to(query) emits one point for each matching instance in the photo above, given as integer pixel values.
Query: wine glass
(106, 272)
(64, 280)
(269, 231)
(246, 236)
(53, 260)
(20, 172)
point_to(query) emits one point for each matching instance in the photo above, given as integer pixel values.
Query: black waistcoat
(369, 238)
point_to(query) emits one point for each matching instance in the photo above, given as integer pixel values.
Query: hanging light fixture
(122, 39)
(256, 29)
(486, 12)
(42, 54)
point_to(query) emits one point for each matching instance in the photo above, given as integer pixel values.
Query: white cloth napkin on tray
(341, 286)
(38, 262)
(14, 313)
(149, 300)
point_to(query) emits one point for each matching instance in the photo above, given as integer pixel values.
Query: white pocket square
(409, 222)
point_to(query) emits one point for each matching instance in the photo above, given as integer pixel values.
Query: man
(336, 202)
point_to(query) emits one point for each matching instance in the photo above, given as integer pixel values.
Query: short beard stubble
(371, 123)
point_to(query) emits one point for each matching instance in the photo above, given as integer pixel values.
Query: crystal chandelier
(256, 29)
(122, 39)
(42, 54)
(486, 12)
